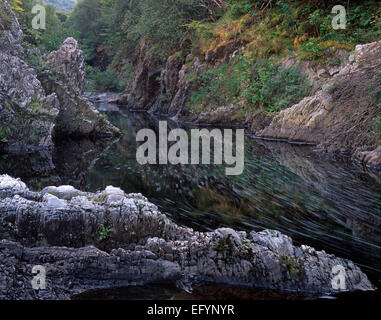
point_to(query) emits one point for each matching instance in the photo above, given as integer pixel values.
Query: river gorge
(83, 215)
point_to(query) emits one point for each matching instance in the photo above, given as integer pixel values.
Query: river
(326, 203)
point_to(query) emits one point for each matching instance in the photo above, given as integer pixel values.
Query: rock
(113, 195)
(370, 158)
(31, 112)
(10, 32)
(225, 115)
(63, 236)
(161, 90)
(258, 120)
(275, 241)
(340, 115)
(317, 73)
(102, 97)
(69, 64)
(170, 76)
(27, 114)
(144, 86)
(53, 202)
(10, 184)
(77, 116)
(182, 94)
(62, 192)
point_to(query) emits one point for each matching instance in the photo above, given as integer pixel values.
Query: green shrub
(262, 84)
(104, 232)
(102, 80)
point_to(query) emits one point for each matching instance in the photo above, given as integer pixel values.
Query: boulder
(370, 158)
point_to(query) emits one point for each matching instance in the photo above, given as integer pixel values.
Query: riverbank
(338, 117)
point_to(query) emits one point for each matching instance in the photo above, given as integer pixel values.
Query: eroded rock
(77, 116)
(140, 245)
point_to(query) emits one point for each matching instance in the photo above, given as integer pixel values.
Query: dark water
(205, 292)
(320, 202)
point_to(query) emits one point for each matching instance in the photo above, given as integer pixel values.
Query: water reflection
(319, 202)
(332, 206)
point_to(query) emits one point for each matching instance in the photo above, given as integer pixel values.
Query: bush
(262, 84)
(97, 80)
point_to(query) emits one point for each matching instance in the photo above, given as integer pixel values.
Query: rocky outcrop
(27, 114)
(228, 115)
(35, 107)
(340, 115)
(110, 239)
(10, 32)
(162, 89)
(69, 64)
(77, 116)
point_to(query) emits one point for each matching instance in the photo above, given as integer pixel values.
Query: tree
(16, 5)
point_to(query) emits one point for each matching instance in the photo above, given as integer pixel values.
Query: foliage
(52, 37)
(37, 64)
(106, 80)
(4, 134)
(104, 232)
(261, 84)
(281, 26)
(16, 5)
(112, 34)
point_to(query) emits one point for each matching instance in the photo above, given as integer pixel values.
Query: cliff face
(33, 110)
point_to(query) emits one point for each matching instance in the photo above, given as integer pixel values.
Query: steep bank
(111, 239)
(339, 117)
